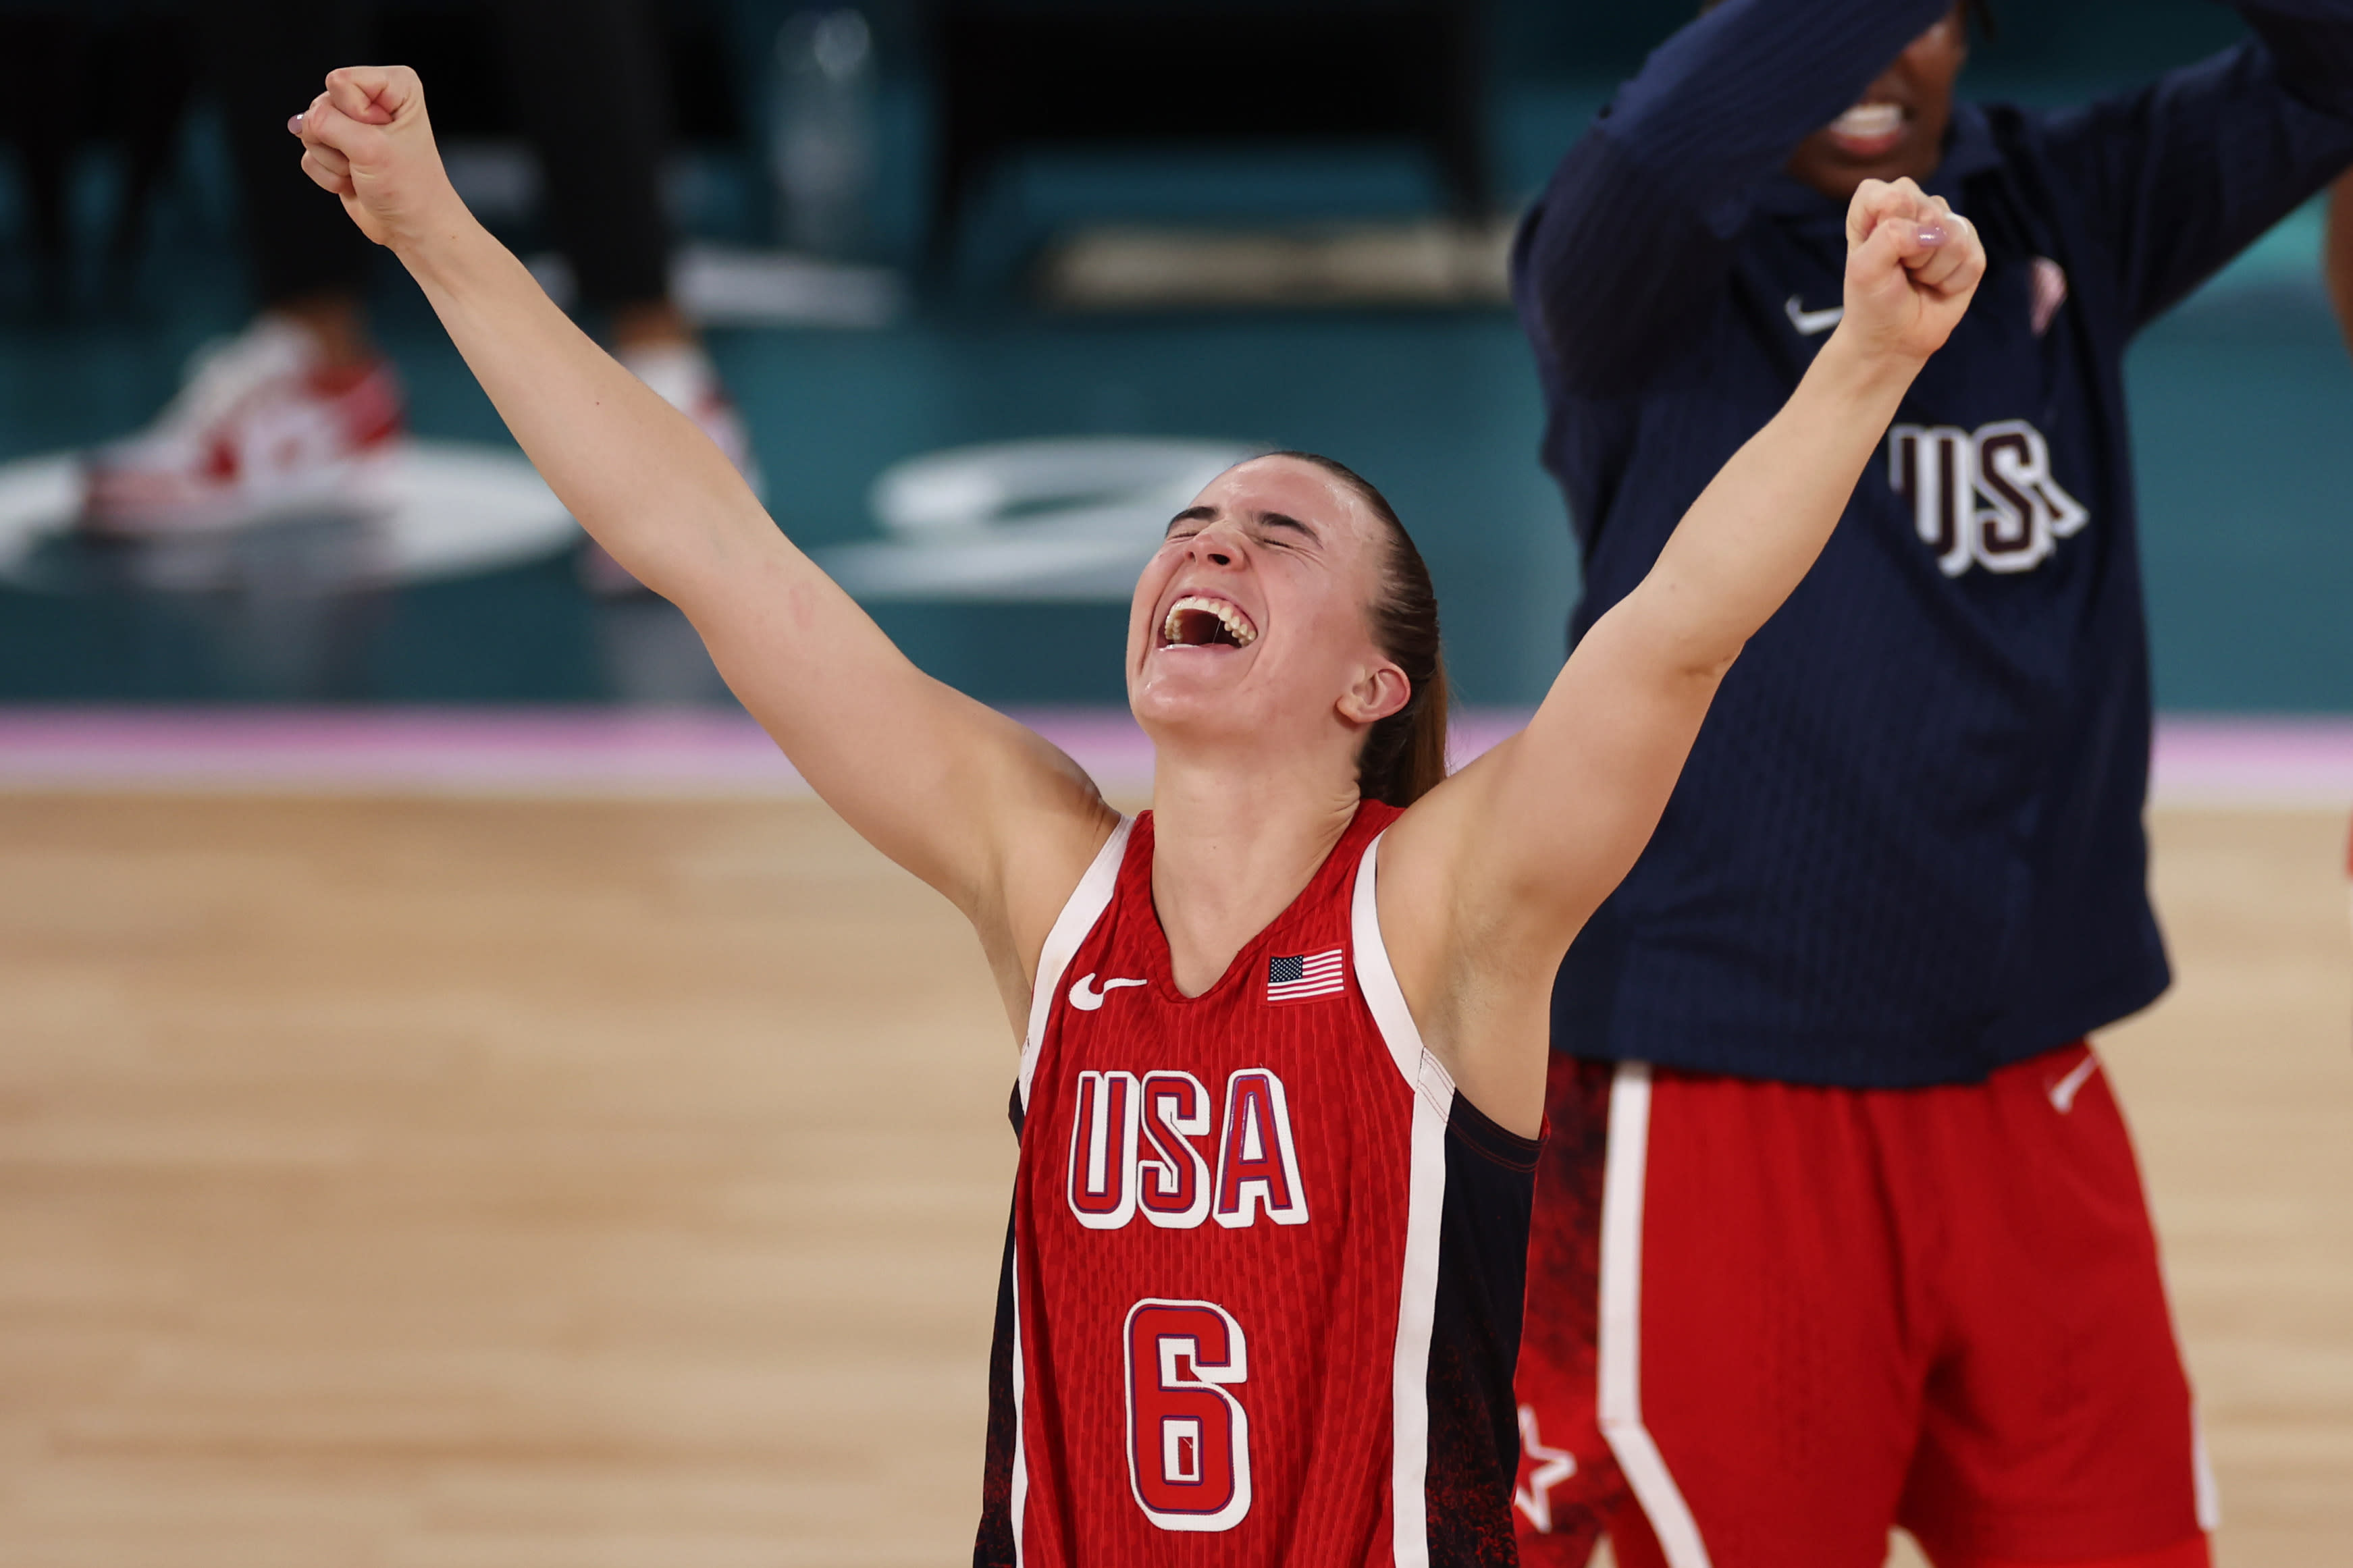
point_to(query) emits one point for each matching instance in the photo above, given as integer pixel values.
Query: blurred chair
(1018, 75)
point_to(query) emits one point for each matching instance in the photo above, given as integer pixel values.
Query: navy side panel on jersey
(993, 1547)
(1907, 846)
(1474, 1342)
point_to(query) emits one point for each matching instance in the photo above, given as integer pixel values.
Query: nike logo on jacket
(1809, 322)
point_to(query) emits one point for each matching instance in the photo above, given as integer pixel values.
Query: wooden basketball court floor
(409, 1182)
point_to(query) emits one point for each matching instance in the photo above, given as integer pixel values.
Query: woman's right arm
(942, 785)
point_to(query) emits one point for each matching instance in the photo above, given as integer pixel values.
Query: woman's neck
(1232, 847)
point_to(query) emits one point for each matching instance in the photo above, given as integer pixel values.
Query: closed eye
(1274, 529)
(1195, 515)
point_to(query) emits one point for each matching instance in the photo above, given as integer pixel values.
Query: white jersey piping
(1085, 907)
(1017, 1506)
(1086, 904)
(1433, 1102)
(2201, 1477)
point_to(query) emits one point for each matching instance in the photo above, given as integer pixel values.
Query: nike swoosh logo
(2063, 1092)
(1809, 322)
(1087, 1000)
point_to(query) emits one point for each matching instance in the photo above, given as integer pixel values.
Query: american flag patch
(1297, 978)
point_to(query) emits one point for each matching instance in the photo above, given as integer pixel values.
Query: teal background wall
(2244, 402)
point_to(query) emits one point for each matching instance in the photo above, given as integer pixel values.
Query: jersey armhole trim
(1496, 1144)
(1087, 903)
(1377, 978)
(1423, 1072)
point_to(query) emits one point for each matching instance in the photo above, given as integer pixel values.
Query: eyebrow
(1265, 520)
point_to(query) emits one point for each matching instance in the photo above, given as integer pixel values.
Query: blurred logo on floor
(1072, 519)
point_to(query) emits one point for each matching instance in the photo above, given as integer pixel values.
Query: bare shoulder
(1424, 853)
(1048, 860)
(1476, 985)
(1056, 836)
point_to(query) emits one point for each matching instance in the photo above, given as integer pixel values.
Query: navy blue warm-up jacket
(1907, 848)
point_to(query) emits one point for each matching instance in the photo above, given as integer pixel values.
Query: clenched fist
(1912, 264)
(366, 139)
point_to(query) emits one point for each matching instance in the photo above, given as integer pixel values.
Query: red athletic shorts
(1780, 1319)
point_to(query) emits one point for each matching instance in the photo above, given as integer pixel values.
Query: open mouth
(1868, 130)
(1198, 621)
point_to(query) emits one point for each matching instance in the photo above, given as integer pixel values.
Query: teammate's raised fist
(1912, 264)
(366, 139)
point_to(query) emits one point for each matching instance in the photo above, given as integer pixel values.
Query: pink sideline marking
(499, 751)
(2280, 761)
(393, 749)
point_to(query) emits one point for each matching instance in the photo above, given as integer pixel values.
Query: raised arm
(1627, 249)
(2180, 176)
(1485, 880)
(937, 782)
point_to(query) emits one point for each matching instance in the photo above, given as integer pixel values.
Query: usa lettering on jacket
(1137, 1146)
(1982, 496)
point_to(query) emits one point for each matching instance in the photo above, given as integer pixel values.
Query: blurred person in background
(299, 410)
(1841, 1227)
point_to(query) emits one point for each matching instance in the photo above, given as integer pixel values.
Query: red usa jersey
(1261, 1291)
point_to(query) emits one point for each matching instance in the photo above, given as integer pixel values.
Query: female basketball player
(1283, 1043)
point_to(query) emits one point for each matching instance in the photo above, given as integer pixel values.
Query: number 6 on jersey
(1188, 1439)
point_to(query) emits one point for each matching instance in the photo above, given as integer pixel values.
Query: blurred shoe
(683, 377)
(261, 430)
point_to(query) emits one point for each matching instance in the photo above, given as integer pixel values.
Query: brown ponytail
(1404, 757)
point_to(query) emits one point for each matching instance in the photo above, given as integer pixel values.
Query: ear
(1378, 692)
